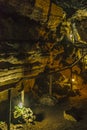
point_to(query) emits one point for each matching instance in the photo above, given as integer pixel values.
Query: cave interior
(43, 65)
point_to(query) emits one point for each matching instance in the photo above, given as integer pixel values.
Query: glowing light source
(20, 104)
(73, 80)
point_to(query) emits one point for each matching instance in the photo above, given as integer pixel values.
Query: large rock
(72, 114)
(48, 100)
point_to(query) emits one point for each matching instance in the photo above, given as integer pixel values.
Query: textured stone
(29, 42)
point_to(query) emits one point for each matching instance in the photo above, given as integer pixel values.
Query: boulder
(72, 114)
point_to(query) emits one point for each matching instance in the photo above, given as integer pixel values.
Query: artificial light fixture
(73, 80)
(20, 105)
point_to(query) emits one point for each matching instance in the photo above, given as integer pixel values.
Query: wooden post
(71, 79)
(50, 86)
(9, 108)
(22, 97)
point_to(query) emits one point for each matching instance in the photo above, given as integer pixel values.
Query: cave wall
(21, 27)
(28, 42)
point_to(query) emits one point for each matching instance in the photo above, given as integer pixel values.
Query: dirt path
(52, 118)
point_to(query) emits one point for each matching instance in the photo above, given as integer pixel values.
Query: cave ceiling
(35, 36)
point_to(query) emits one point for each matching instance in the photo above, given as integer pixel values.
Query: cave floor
(52, 117)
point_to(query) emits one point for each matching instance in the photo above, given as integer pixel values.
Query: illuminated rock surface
(31, 42)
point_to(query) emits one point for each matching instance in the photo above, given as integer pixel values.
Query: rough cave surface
(43, 47)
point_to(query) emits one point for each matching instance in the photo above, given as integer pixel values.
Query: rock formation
(30, 43)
